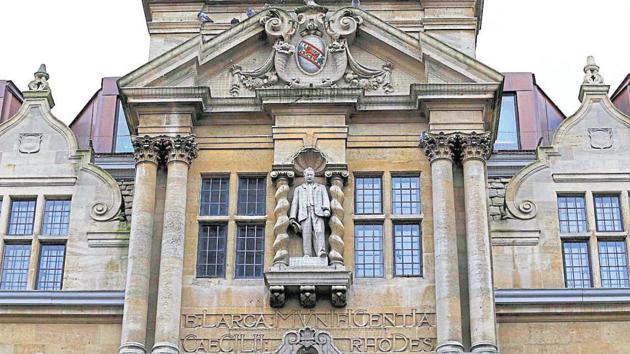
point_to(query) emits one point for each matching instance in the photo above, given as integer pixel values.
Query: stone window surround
(36, 239)
(232, 219)
(592, 235)
(388, 219)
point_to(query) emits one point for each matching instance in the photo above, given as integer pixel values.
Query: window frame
(382, 251)
(393, 176)
(262, 251)
(588, 257)
(619, 209)
(223, 274)
(585, 212)
(119, 108)
(356, 191)
(420, 250)
(625, 255)
(35, 201)
(39, 265)
(242, 177)
(27, 246)
(44, 212)
(225, 177)
(516, 122)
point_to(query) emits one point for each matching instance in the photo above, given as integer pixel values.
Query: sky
(82, 43)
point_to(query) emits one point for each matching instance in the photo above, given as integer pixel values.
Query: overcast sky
(83, 41)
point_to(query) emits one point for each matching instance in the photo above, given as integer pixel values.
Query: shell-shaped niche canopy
(309, 157)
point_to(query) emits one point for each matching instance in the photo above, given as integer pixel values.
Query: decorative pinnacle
(40, 83)
(591, 72)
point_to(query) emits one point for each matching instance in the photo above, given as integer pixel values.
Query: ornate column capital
(438, 145)
(147, 149)
(282, 175)
(475, 146)
(180, 148)
(337, 174)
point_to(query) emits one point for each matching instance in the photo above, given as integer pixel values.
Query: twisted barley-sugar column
(179, 153)
(281, 242)
(147, 152)
(439, 150)
(475, 151)
(336, 219)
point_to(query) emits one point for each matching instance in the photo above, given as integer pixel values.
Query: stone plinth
(307, 278)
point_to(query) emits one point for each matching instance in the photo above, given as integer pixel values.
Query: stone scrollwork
(475, 146)
(307, 340)
(438, 145)
(337, 180)
(180, 148)
(282, 180)
(147, 149)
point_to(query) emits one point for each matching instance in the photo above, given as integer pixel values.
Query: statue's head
(309, 175)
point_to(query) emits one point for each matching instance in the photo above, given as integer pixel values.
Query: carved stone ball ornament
(310, 52)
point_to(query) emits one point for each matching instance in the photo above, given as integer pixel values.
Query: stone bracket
(307, 283)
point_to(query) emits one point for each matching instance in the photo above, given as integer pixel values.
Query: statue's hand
(326, 213)
(295, 225)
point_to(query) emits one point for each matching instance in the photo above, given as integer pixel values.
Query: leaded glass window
(250, 251)
(252, 194)
(572, 214)
(577, 267)
(56, 217)
(211, 251)
(613, 264)
(407, 250)
(608, 213)
(22, 217)
(406, 195)
(368, 251)
(50, 273)
(368, 195)
(215, 196)
(15, 267)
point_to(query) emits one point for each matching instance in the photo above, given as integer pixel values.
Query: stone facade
(424, 251)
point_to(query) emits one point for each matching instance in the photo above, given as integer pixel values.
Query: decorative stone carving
(308, 297)
(600, 138)
(438, 146)
(147, 149)
(475, 146)
(309, 210)
(337, 180)
(278, 297)
(320, 53)
(29, 143)
(338, 296)
(40, 83)
(309, 157)
(283, 180)
(180, 148)
(307, 340)
(591, 73)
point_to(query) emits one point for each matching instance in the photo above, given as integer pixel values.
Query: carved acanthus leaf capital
(147, 149)
(475, 146)
(438, 145)
(180, 148)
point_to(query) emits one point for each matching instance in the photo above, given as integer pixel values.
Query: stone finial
(591, 73)
(40, 83)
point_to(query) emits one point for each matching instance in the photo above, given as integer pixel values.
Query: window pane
(252, 194)
(15, 267)
(577, 267)
(407, 250)
(250, 251)
(608, 213)
(571, 214)
(123, 137)
(56, 217)
(507, 136)
(50, 274)
(613, 264)
(406, 195)
(214, 196)
(22, 217)
(211, 251)
(368, 251)
(368, 198)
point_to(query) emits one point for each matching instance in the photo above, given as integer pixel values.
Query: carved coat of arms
(312, 51)
(29, 143)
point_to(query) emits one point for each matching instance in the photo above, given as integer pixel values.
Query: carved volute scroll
(282, 180)
(438, 146)
(337, 179)
(180, 148)
(475, 146)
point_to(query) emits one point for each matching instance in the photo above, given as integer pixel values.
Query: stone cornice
(62, 298)
(504, 297)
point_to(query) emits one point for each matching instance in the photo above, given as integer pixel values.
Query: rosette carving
(180, 148)
(438, 146)
(282, 181)
(475, 146)
(337, 180)
(147, 149)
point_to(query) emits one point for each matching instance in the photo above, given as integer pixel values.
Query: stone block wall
(126, 189)
(496, 195)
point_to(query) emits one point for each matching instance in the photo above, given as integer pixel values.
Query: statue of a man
(309, 209)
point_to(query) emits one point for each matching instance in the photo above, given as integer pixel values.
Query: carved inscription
(353, 331)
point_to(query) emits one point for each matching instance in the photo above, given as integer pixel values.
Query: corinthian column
(439, 150)
(134, 326)
(179, 154)
(475, 150)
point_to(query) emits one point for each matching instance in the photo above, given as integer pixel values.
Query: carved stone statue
(309, 209)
